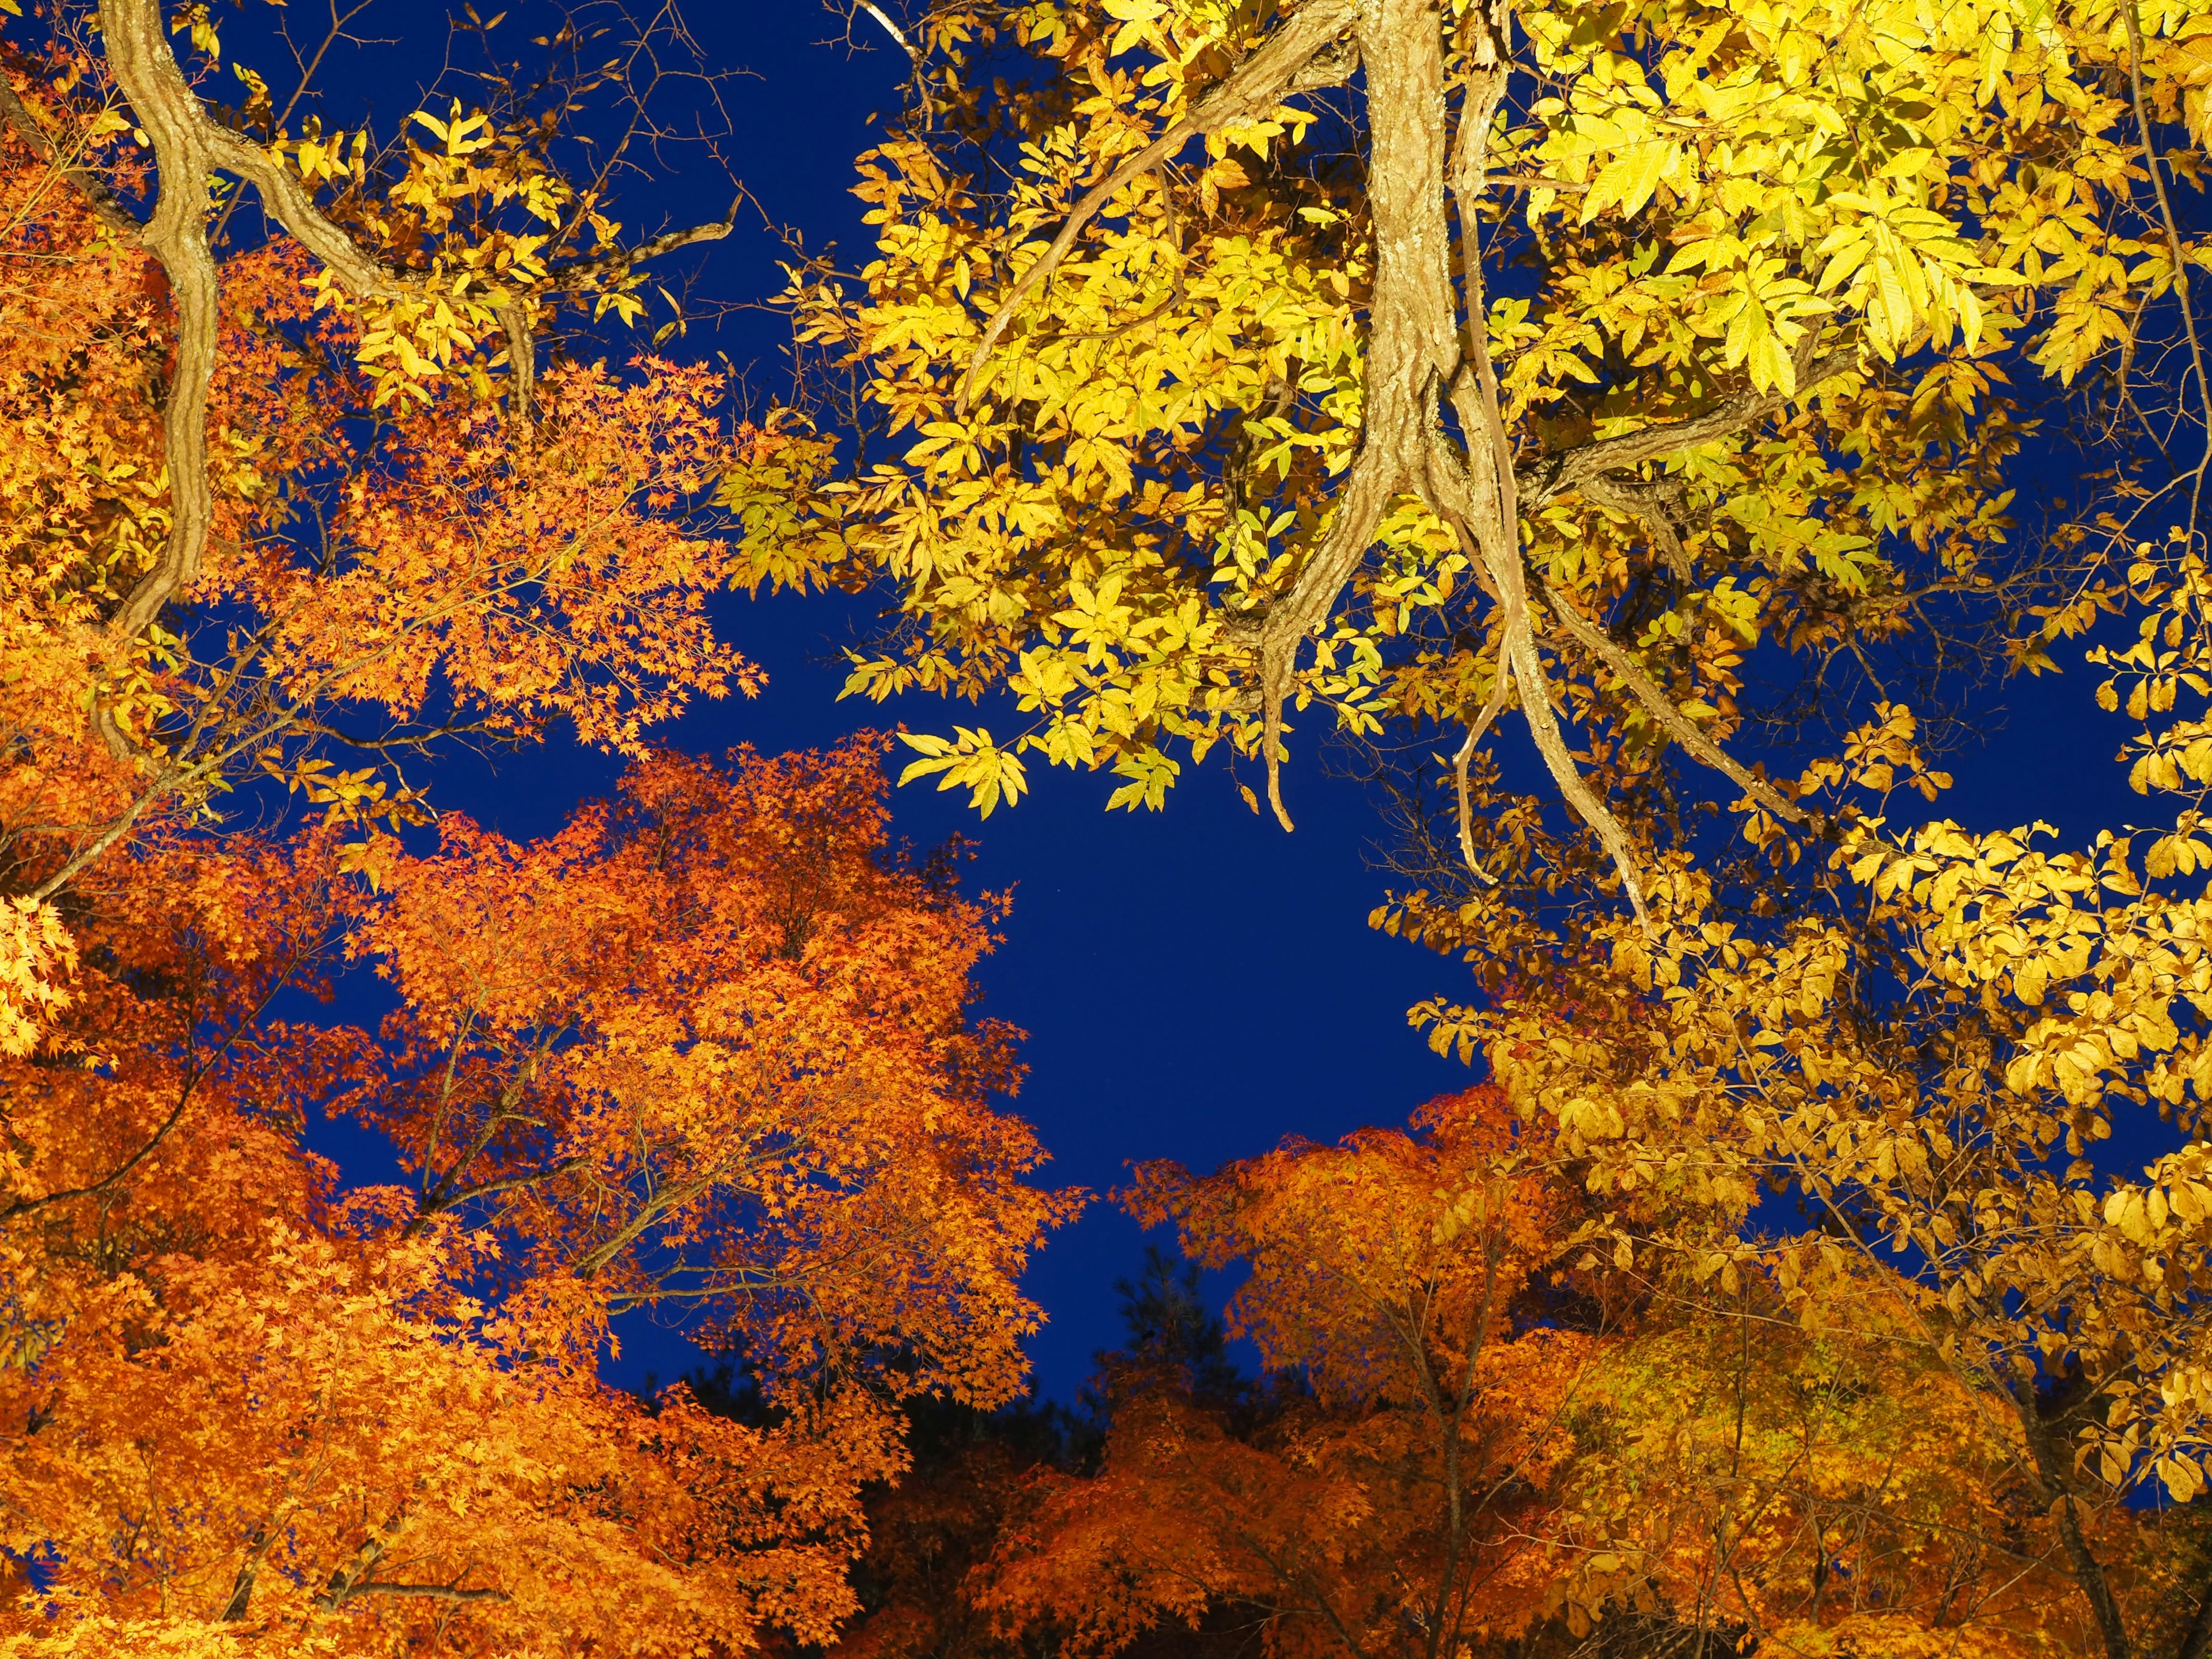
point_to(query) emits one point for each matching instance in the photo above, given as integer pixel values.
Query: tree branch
(188, 146)
(2197, 1640)
(1552, 476)
(1663, 708)
(345, 1578)
(169, 111)
(2051, 1473)
(1255, 86)
(1647, 504)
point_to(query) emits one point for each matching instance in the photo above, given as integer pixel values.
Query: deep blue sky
(1196, 984)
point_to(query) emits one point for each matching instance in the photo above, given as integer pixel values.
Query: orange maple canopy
(706, 1048)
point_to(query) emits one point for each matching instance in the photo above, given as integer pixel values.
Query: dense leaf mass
(1819, 1266)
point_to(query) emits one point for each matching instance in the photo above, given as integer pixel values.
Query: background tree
(707, 1047)
(1390, 1499)
(1637, 1461)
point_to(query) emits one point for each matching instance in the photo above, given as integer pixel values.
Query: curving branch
(1473, 485)
(578, 275)
(1552, 476)
(1412, 338)
(1417, 352)
(188, 147)
(1273, 71)
(169, 111)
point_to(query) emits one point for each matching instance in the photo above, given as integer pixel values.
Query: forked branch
(1664, 709)
(188, 147)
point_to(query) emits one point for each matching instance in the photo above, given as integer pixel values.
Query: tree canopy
(1732, 397)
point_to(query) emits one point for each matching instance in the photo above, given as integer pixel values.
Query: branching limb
(188, 147)
(521, 371)
(363, 1563)
(1552, 745)
(1411, 333)
(459, 1196)
(2172, 228)
(1555, 475)
(1663, 708)
(1647, 503)
(1474, 392)
(2197, 1640)
(576, 275)
(1259, 83)
(2050, 1471)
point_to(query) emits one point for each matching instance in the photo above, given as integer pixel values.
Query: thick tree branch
(136, 42)
(1474, 396)
(188, 147)
(2058, 1489)
(364, 1560)
(2197, 1640)
(1257, 84)
(1552, 476)
(1411, 333)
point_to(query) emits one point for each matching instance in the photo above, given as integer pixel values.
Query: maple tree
(1483, 1434)
(706, 1047)
(302, 486)
(304, 479)
(1385, 1504)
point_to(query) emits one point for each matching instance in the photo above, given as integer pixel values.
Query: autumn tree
(1406, 364)
(1489, 1429)
(1379, 359)
(931, 1532)
(925, 1582)
(1383, 1503)
(709, 1048)
(313, 462)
